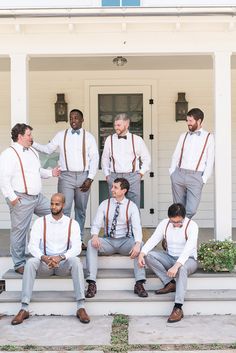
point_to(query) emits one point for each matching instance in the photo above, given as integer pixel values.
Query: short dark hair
(124, 184)
(176, 210)
(196, 113)
(19, 129)
(77, 111)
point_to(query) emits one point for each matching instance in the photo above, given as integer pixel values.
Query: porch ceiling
(175, 62)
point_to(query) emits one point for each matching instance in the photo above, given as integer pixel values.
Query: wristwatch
(62, 257)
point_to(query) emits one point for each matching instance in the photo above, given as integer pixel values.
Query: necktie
(122, 137)
(198, 133)
(75, 132)
(25, 149)
(114, 221)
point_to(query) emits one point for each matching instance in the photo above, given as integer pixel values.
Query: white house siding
(44, 85)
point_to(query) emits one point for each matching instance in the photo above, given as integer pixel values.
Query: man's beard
(55, 213)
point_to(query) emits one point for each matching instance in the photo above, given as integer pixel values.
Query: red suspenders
(202, 153)
(83, 150)
(45, 233)
(164, 241)
(107, 214)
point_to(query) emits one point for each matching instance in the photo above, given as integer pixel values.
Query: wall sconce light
(181, 107)
(119, 61)
(61, 108)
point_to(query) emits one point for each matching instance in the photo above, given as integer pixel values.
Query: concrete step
(197, 302)
(122, 279)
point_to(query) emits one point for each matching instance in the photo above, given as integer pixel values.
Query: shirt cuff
(91, 176)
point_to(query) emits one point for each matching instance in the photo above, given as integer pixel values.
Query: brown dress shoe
(176, 315)
(169, 287)
(20, 317)
(91, 291)
(20, 270)
(140, 290)
(82, 316)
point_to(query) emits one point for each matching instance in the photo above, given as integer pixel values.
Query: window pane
(110, 2)
(130, 2)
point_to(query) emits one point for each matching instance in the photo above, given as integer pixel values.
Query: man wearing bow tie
(21, 186)
(78, 162)
(125, 155)
(192, 163)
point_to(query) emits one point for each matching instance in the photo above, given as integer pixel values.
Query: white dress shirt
(176, 243)
(74, 151)
(11, 178)
(56, 237)
(123, 155)
(193, 147)
(121, 227)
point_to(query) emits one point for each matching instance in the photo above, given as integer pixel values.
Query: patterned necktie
(198, 133)
(75, 132)
(114, 221)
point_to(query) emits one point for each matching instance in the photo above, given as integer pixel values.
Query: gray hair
(122, 116)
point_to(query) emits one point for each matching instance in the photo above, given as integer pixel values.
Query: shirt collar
(123, 202)
(54, 221)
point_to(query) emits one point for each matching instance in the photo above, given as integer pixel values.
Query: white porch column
(223, 158)
(19, 89)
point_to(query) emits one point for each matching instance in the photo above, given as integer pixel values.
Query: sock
(172, 281)
(90, 281)
(25, 306)
(178, 305)
(80, 304)
(141, 281)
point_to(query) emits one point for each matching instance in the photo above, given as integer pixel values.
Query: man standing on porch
(125, 155)
(179, 236)
(78, 163)
(192, 163)
(21, 185)
(123, 235)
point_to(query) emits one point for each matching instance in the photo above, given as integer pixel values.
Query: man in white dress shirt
(192, 163)
(125, 155)
(21, 186)
(55, 244)
(78, 162)
(123, 235)
(178, 260)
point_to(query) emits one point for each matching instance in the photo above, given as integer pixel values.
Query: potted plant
(217, 255)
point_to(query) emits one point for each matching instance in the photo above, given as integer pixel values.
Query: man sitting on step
(123, 235)
(55, 244)
(178, 259)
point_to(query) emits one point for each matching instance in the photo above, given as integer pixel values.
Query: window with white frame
(120, 3)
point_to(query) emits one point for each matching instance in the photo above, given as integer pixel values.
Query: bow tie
(75, 131)
(198, 133)
(122, 137)
(25, 149)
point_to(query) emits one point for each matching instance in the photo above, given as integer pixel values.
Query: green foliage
(217, 255)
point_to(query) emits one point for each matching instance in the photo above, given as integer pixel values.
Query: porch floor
(205, 234)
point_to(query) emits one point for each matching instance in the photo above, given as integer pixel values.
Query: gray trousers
(134, 180)
(35, 266)
(187, 189)
(69, 184)
(21, 216)
(160, 262)
(110, 246)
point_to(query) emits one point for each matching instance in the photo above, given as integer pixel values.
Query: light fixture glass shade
(119, 61)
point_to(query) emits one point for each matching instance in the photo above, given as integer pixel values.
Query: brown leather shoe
(20, 317)
(92, 290)
(176, 315)
(140, 290)
(169, 287)
(83, 316)
(20, 270)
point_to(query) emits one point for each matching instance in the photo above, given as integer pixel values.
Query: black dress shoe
(20, 270)
(140, 290)
(92, 290)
